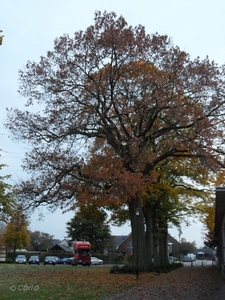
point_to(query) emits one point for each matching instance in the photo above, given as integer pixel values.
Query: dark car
(34, 259)
(21, 259)
(69, 260)
(63, 261)
(50, 260)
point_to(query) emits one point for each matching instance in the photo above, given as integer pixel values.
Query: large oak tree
(144, 101)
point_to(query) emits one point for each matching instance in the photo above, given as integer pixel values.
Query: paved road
(199, 262)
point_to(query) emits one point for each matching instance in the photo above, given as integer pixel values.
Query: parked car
(96, 261)
(186, 258)
(172, 259)
(21, 259)
(50, 260)
(69, 260)
(56, 259)
(63, 261)
(192, 256)
(34, 259)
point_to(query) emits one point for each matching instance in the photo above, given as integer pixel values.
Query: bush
(131, 269)
(128, 268)
(129, 258)
(125, 269)
(165, 268)
(118, 258)
(115, 270)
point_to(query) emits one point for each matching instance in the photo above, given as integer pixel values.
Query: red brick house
(124, 245)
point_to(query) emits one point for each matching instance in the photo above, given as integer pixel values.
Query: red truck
(82, 253)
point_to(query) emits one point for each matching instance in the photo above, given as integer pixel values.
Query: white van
(192, 256)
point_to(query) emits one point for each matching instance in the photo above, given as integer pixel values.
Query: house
(61, 246)
(124, 245)
(3, 253)
(173, 246)
(112, 250)
(219, 230)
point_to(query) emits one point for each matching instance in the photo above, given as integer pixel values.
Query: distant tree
(16, 233)
(40, 241)
(6, 195)
(187, 247)
(209, 223)
(1, 37)
(89, 225)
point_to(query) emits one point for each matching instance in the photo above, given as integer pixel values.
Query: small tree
(16, 234)
(40, 241)
(187, 247)
(89, 224)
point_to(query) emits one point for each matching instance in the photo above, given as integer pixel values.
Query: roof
(55, 242)
(124, 239)
(172, 239)
(65, 248)
(62, 245)
(121, 239)
(220, 210)
(118, 239)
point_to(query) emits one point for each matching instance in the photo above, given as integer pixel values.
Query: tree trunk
(140, 260)
(163, 245)
(14, 253)
(149, 240)
(163, 249)
(155, 235)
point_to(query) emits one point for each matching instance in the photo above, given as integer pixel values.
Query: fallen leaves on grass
(72, 282)
(196, 283)
(59, 282)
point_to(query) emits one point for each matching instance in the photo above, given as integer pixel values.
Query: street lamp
(137, 219)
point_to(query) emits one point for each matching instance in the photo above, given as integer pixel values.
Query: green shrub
(129, 258)
(115, 270)
(131, 269)
(118, 258)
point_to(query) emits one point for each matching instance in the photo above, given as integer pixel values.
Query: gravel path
(193, 283)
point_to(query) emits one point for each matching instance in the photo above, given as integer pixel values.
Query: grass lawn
(18, 282)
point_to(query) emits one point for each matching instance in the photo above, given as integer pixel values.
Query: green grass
(20, 282)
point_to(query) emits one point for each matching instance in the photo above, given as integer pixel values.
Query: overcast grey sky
(30, 27)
